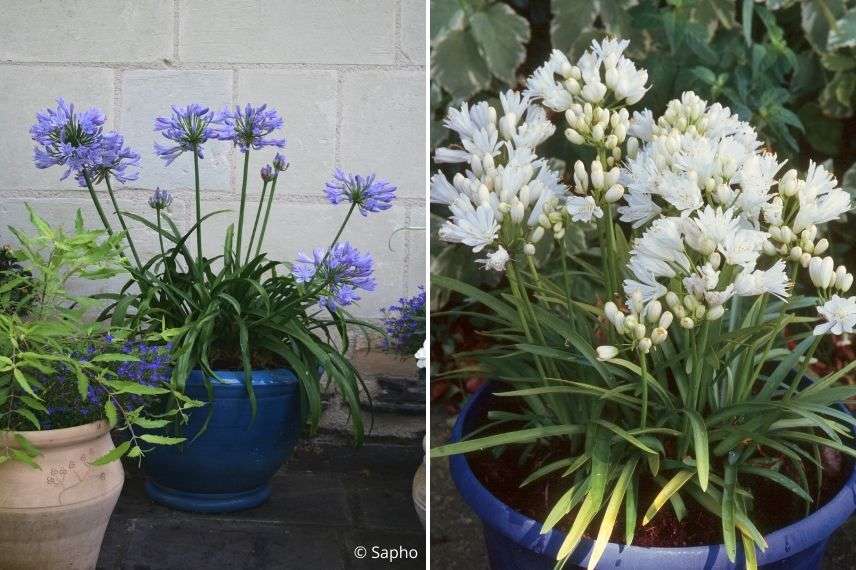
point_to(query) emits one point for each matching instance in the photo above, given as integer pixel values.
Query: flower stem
(122, 222)
(198, 198)
(256, 222)
(339, 233)
(267, 214)
(160, 233)
(243, 204)
(643, 364)
(97, 203)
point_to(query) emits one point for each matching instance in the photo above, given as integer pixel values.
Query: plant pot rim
(273, 376)
(526, 532)
(62, 437)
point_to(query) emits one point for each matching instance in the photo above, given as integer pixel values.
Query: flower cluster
(248, 127)
(506, 183)
(338, 272)
(364, 192)
(189, 127)
(405, 324)
(78, 142)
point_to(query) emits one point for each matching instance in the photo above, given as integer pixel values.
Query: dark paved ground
(327, 500)
(456, 539)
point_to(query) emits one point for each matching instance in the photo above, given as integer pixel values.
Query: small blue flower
(189, 127)
(248, 128)
(367, 193)
(160, 199)
(405, 324)
(344, 271)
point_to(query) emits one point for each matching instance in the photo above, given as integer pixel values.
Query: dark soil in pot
(775, 507)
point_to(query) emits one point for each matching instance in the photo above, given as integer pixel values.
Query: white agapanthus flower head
(473, 226)
(495, 260)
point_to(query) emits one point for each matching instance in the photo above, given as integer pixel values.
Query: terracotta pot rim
(59, 437)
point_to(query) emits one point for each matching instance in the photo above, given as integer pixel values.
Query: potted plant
(252, 336)
(64, 384)
(667, 419)
(405, 336)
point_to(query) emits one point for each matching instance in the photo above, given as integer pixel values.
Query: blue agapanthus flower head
(115, 160)
(248, 128)
(67, 138)
(160, 199)
(189, 127)
(342, 272)
(366, 192)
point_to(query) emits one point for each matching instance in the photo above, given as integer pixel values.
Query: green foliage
(41, 368)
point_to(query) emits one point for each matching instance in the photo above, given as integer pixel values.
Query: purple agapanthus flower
(160, 199)
(366, 192)
(115, 160)
(189, 127)
(66, 138)
(248, 127)
(342, 272)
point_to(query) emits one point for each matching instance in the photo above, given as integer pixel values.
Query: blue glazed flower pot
(228, 467)
(514, 541)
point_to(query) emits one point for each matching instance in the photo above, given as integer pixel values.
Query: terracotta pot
(55, 517)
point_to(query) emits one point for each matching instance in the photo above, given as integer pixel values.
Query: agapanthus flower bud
(614, 194)
(805, 259)
(639, 331)
(672, 299)
(597, 133)
(279, 162)
(606, 352)
(821, 246)
(795, 253)
(715, 259)
(653, 311)
(537, 234)
(632, 147)
(645, 345)
(517, 211)
(266, 173)
(715, 313)
(788, 183)
(666, 320)
(659, 335)
(508, 125)
(529, 249)
(597, 177)
(687, 323)
(160, 199)
(821, 271)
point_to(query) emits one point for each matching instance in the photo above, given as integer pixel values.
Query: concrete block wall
(346, 75)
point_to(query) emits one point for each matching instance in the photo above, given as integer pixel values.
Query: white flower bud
(597, 177)
(666, 320)
(805, 259)
(679, 311)
(574, 136)
(788, 184)
(645, 345)
(573, 86)
(606, 352)
(690, 302)
(715, 313)
(715, 260)
(594, 92)
(787, 234)
(620, 133)
(614, 194)
(845, 284)
(796, 253)
(597, 133)
(822, 272)
(821, 246)
(687, 323)
(476, 165)
(724, 194)
(699, 311)
(630, 322)
(517, 211)
(659, 335)
(529, 249)
(653, 311)
(639, 331)
(809, 234)
(672, 299)
(537, 234)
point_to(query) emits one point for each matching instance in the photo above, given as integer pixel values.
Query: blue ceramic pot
(228, 467)
(514, 541)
